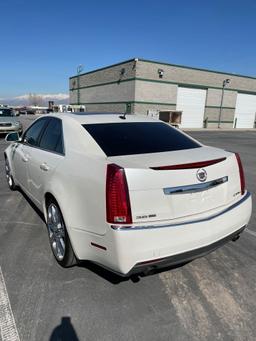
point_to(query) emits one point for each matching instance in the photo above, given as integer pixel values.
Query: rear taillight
(117, 196)
(241, 173)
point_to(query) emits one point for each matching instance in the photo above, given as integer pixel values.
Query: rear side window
(138, 138)
(32, 135)
(52, 139)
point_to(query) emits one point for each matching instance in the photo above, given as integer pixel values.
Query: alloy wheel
(56, 231)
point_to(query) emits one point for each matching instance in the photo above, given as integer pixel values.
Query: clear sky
(43, 41)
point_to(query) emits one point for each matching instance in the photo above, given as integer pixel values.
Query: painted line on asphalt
(251, 232)
(18, 223)
(8, 327)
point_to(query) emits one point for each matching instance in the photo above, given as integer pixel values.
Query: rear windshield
(138, 138)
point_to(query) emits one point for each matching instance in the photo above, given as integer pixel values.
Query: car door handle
(44, 167)
(25, 158)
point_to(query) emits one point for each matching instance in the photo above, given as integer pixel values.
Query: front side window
(32, 135)
(52, 138)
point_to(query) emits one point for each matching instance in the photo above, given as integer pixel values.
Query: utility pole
(79, 71)
(225, 83)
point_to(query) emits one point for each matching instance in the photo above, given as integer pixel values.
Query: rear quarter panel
(78, 183)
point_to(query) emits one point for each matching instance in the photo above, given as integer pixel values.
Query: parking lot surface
(211, 298)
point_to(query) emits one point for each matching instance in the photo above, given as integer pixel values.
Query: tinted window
(6, 112)
(33, 133)
(52, 139)
(138, 138)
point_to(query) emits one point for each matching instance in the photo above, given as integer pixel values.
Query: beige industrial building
(205, 98)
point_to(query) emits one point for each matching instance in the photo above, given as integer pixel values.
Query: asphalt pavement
(211, 298)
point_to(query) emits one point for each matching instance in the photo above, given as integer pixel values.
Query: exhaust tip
(236, 238)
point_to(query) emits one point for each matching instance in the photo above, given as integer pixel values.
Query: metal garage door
(245, 111)
(192, 104)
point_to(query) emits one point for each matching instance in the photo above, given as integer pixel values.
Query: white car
(127, 192)
(8, 121)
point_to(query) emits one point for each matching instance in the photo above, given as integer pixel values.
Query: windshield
(138, 138)
(6, 112)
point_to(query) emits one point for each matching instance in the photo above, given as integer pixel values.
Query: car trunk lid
(179, 184)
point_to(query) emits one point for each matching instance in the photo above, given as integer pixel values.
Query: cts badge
(201, 175)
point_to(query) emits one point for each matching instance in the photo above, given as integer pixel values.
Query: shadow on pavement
(116, 279)
(64, 332)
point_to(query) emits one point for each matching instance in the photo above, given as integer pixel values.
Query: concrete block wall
(142, 108)
(108, 86)
(104, 75)
(115, 92)
(184, 76)
(106, 107)
(155, 92)
(142, 89)
(147, 72)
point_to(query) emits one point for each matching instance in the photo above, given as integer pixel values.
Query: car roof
(101, 117)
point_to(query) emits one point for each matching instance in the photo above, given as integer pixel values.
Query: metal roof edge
(195, 68)
(105, 67)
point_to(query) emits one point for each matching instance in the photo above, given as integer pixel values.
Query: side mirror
(12, 137)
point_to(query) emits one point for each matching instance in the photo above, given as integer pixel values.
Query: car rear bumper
(142, 247)
(134, 249)
(183, 257)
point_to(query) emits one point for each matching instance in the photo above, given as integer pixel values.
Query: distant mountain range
(59, 98)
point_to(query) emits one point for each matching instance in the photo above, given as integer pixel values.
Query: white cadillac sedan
(127, 192)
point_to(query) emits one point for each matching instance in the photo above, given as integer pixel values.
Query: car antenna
(123, 116)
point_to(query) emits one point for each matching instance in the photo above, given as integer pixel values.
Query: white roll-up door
(192, 104)
(245, 111)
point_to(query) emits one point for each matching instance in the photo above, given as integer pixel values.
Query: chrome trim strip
(150, 227)
(196, 187)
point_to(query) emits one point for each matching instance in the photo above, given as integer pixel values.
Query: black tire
(68, 258)
(9, 176)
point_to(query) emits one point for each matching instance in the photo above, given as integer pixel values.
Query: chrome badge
(201, 175)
